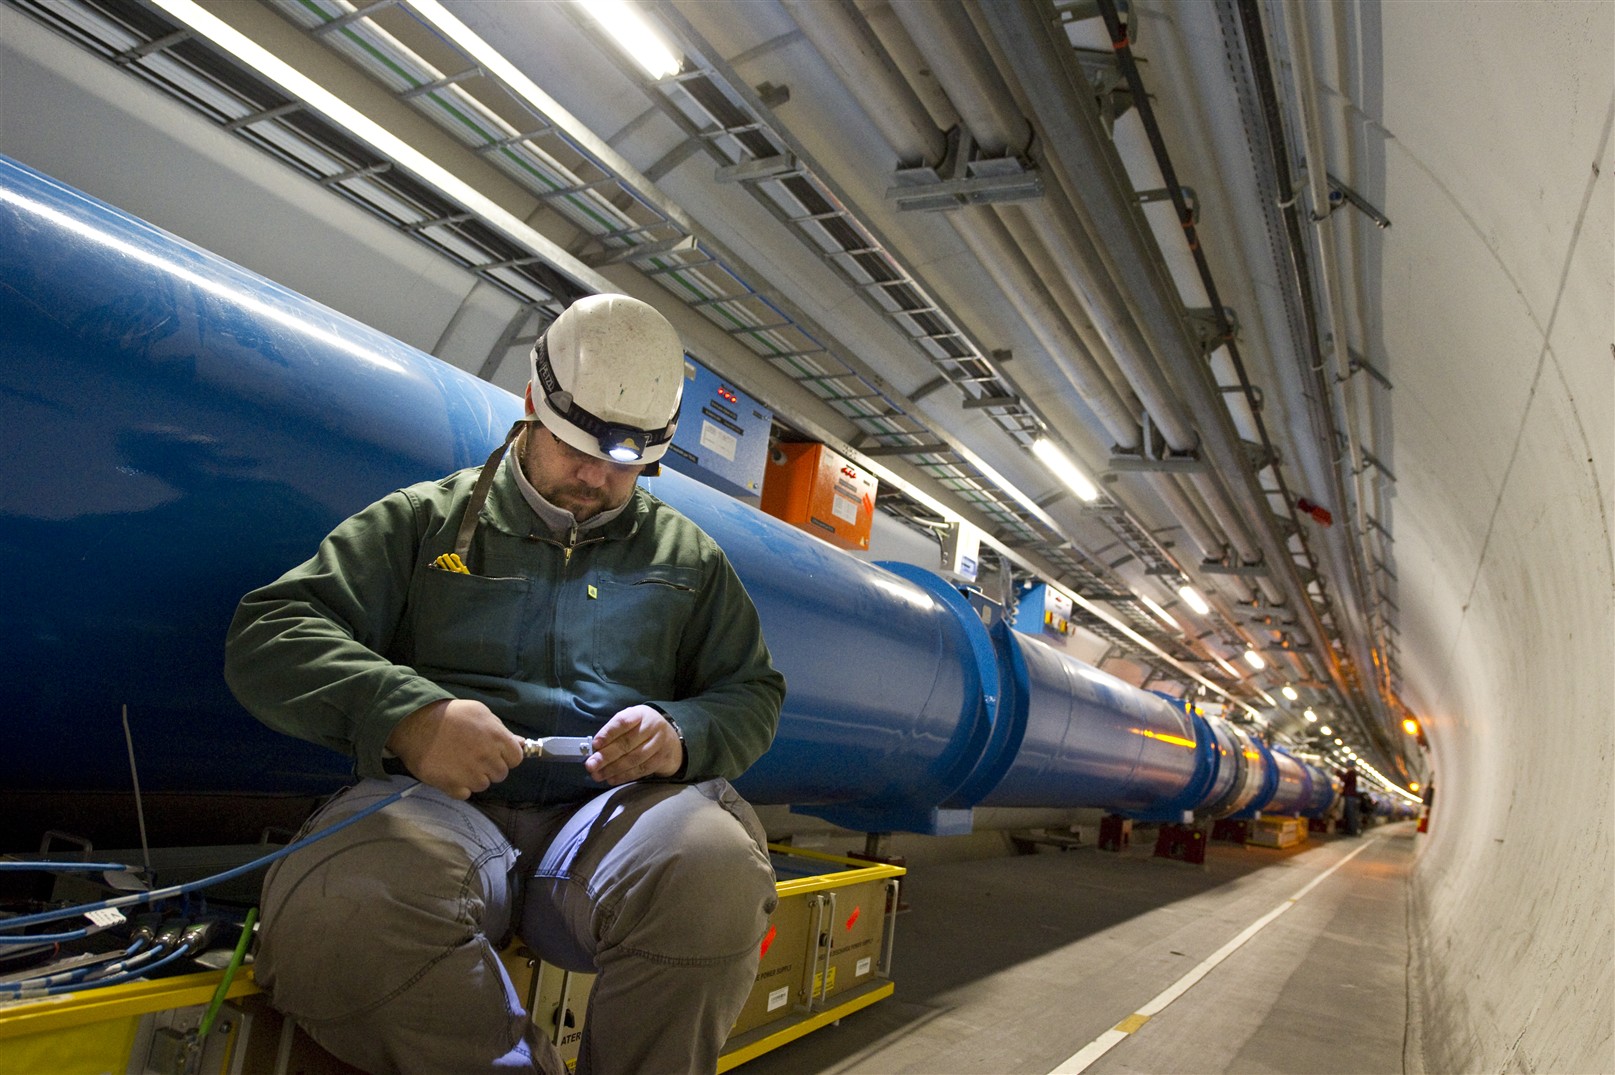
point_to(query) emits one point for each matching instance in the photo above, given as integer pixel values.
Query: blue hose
(23, 921)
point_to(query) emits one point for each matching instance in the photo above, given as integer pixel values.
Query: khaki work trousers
(382, 940)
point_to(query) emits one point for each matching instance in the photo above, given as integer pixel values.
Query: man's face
(575, 480)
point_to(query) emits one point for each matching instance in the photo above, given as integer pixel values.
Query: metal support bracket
(1340, 193)
(1170, 463)
(1111, 90)
(1358, 362)
(1256, 570)
(1162, 194)
(959, 181)
(617, 255)
(1212, 328)
(1370, 460)
(758, 169)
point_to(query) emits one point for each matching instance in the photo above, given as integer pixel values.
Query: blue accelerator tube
(890, 682)
(179, 430)
(1069, 735)
(1238, 773)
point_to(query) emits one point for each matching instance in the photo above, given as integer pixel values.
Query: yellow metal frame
(858, 870)
(806, 1026)
(110, 1006)
(67, 1010)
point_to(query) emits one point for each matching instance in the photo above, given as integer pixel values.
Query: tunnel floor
(1022, 965)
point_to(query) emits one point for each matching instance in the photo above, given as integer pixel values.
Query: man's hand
(458, 746)
(636, 743)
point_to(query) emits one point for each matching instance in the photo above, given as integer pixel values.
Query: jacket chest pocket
(639, 621)
(467, 623)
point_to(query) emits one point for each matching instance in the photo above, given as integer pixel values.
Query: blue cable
(46, 938)
(59, 867)
(21, 991)
(23, 921)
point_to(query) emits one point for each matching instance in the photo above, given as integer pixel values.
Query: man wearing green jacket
(432, 637)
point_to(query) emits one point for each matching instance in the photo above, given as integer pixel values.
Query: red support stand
(1115, 832)
(1185, 843)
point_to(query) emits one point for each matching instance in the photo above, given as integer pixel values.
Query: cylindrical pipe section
(190, 431)
(1238, 776)
(947, 38)
(1294, 786)
(1085, 737)
(184, 430)
(859, 61)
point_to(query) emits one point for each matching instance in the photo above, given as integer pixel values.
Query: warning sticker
(844, 507)
(717, 439)
(822, 985)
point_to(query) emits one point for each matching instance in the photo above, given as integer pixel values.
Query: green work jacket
(554, 633)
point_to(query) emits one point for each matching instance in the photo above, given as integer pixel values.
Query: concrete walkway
(1036, 964)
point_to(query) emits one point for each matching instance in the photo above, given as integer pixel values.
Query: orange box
(814, 488)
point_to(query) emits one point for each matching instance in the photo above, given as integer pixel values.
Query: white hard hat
(608, 375)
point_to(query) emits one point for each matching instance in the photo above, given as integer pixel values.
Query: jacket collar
(508, 510)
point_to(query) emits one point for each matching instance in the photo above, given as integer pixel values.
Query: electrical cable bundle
(152, 945)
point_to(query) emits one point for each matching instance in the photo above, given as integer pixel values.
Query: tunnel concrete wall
(1498, 312)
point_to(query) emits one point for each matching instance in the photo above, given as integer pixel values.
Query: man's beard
(582, 502)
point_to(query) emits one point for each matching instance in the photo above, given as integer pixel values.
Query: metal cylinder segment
(1086, 737)
(179, 430)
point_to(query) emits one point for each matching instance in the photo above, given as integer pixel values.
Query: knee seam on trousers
(693, 961)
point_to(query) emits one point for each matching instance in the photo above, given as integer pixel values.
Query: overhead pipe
(1046, 235)
(992, 245)
(1349, 558)
(1299, 38)
(891, 102)
(1081, 163)
(980, 93)
(940, 31)
(1288, 315)
(884, 24)
(944, 35)
(1028, 236)
(857, 60)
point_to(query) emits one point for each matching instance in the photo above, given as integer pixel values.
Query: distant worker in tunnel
(432, 636)
(1353, 821)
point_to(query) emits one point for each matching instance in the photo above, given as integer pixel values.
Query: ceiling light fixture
(1192, 598)
(635, 36)
(1310, 715)
(1289, 692)
(1162, 614)
(1255, 660)
(1061, 466)
(1325, 730)
(383, 141)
